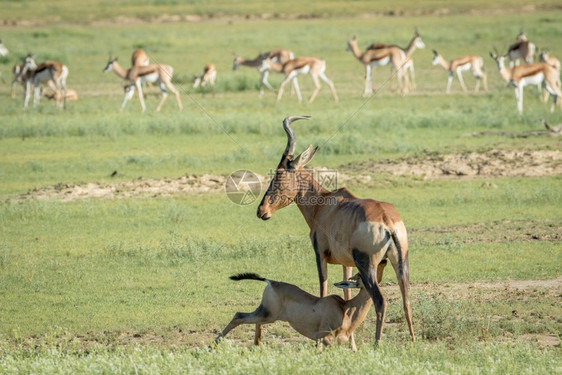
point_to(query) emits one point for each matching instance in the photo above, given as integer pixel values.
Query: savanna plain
(117, 238)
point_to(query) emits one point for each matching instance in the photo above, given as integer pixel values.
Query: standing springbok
(18, 76)
(139, 58)
(379, 57)
(533, 74)
(522, 49)
(415, 43)
(52, 73)
(545, 56)
(300, 65)
(344, 229)
(159, 73)
(326, 320)
(278, 55)
(456, 66)
(207, 78)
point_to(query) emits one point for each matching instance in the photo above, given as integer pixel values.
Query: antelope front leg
(322, 266)
(449, 82)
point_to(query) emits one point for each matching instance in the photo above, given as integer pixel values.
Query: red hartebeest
(344, 229)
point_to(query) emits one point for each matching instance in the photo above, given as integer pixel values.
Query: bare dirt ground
(495, 163)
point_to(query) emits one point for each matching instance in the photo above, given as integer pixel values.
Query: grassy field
(140, 283)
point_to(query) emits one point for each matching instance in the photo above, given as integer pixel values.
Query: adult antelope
(278, 55)
(136, 75)
(52, 73)
(456, 66)
(139, 58)
(380, 57)
(301, 65)
(19, 76)
(415, 43)
(207, 78)
(533, 74)
(3, 50)
(522, 49)
(326, 320)
(545, 56)
(344, 229)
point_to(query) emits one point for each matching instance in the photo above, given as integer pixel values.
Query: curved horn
(290, 149)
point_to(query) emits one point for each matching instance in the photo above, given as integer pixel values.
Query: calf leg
(260, 316)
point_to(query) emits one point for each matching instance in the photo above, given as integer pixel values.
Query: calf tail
(247, 276)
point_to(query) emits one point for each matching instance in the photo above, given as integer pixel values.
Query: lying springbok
(71, 95)
(534, 74)
(456, 66)
(278, 55)
(380, 57)
(326, 320)
(301, 65)
(522, 49)
(415, 43)
(207, 78)
(344, 229)
(136, 75)
(52, 73)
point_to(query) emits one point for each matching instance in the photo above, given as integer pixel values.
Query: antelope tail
(247, 276)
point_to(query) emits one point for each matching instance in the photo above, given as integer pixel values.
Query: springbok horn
(290, 149)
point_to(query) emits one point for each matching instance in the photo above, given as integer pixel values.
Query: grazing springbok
(301, 65)
(415, 43)
(456, 66)
(278, 55)
(326, 320)
(3, 50)
(344, 229)
(52, 73)
(534, 74)
(522, 49)
(380, 57)
(207, 78)
(139, 58)
(136, 75)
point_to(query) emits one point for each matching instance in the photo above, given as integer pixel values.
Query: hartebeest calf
(326, 320)
(533, 74)
(136, 75)
(456, 66)
(344, 229)
(52, 73)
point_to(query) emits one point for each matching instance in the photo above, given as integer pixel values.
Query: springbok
(456, 66)
(415, 43)
(136, 75)
(207, 78)
(3, 50)
(71, 95)
(139, 58)
(278, 55)
(533, 74)
(545, 56)
(379, 57)
(300, 65)
(326, 320)
(522, 49)
(19, 77)
(344, 229)
(52, 73)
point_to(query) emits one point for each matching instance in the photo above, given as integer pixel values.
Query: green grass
(141, 284)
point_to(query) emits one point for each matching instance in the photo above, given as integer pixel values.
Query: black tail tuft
(247, 276)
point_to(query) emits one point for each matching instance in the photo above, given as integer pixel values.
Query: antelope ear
(304, 158)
